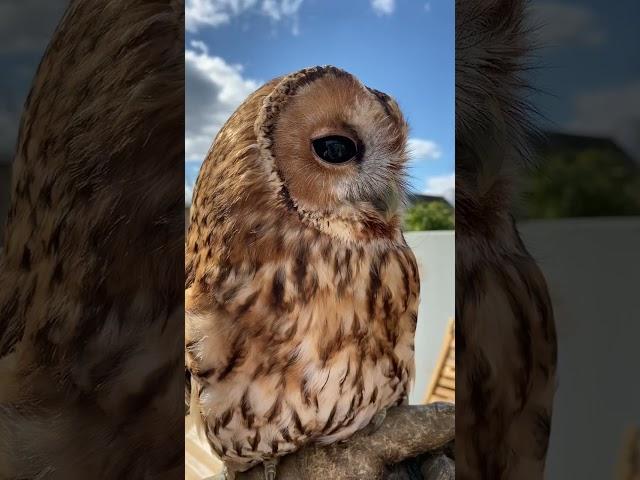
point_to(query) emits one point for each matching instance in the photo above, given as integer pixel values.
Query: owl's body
(301, 305)
(506, 350)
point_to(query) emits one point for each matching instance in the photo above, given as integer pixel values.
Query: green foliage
(583, 184)
(429, 216)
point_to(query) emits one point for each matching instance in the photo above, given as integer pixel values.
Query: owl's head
(316, 148)
(335, 146)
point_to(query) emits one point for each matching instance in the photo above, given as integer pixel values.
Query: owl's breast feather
(307, 348)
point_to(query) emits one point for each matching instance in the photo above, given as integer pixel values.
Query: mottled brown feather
(90, 274)
(505, 331)
(295, 242)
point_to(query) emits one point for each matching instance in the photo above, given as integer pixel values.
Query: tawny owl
(301, 293)
(505, 332)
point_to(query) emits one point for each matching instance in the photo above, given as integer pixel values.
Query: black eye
(335, 148)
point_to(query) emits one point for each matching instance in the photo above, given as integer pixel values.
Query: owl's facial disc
(336, 144)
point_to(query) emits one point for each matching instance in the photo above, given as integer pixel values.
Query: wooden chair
(442, 387)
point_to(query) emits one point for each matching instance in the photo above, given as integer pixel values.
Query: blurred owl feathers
(505, 331)
(91, 305)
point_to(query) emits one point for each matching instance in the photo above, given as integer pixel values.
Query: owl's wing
(506, 363)
(91, 280)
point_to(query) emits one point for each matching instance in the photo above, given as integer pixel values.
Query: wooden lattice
(442, 387)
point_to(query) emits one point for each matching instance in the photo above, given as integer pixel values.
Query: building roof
(414, 198)
(554, 141)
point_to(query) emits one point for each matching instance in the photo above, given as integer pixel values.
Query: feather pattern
(301, 304)
(91, 269)
(505, 331)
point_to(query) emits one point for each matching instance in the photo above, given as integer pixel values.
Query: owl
(91, 270)
(301, 293)
(505, 332)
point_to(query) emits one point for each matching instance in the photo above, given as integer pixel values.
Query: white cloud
(188, 192)
(442, 185)
(566, 25)
(612, 112)
(420, 149)
(427, 7)
(279, 9)
(213, 13)
(383, 7)
(214, 89)
(199, 13)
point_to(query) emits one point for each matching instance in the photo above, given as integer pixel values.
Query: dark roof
(553, 141)
(414, 198)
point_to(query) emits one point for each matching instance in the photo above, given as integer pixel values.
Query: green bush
(429, 216)
(587, 183)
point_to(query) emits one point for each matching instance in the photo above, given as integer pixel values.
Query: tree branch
(407, 431)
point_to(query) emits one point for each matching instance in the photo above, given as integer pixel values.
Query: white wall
(592, 267)
(435, 252)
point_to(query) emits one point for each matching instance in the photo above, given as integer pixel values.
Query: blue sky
(404, 48)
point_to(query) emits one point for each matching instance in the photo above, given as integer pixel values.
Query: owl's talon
(270, 469)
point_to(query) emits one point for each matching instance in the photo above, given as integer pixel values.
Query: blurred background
(403, 48)
(23, 39)
(578, 211)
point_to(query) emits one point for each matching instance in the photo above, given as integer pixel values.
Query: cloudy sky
(590, 68)
(404, 48)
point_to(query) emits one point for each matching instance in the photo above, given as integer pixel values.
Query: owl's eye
(335, 148)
